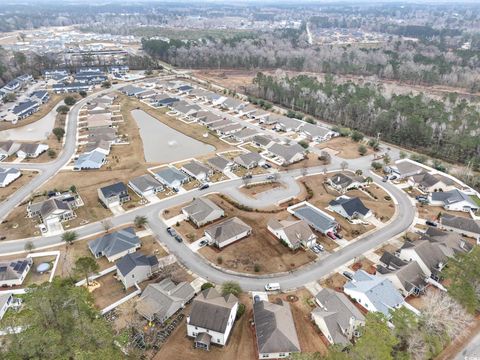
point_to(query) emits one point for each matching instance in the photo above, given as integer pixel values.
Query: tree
(140, 221)
(51, 153)
(107, 225)
(106, 84)
(10, 97)
(73, 189)
(69, 237)
(231, 287)
(359, 172)
(386, 159)
(63, 109)
(362, 149)
(376, 165)
(59, 133)
(59, 321)
(82, 93)
(29, 246)
(206, 286)
(374, 144)
(344, 165)
(356, 136)
(303, 144)
(69, 100)
(368, 180)
(325, 157)
(85, 266)
(240, 311)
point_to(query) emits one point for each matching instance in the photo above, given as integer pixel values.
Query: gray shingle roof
(4, 172)
(115, 243)
(351, 206)
(248, 159)
(452, 197)
(461, 223)
(286, 152)
(218, 163)
(196, 168)
(200, 208)
(169, 175)
(227, 229)
(130, 261)
(315, 218)
(146, 183)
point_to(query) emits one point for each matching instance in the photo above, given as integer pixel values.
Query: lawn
(26, 177)
(345, 147)
(335, 281)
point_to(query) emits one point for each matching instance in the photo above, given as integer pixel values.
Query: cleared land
(26, 177)
(345, 147)
(258, 188)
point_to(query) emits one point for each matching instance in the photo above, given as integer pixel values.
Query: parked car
(178, 238)
(338, 235)
(431, 223)
(171, 231)
(320, 247)
(270, 177)
(331, 235)
(348, 275)
(203, 243)
(385, 178)
(203, 187)
(266, 166)
(315, 249)
(421, 198)
(248, 176)
(272, 287)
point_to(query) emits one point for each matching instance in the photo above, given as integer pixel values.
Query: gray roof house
(295, 233)
(134, 268)
(31, 150)
(5, 301)
(227, 232)
(336, 317)
(211, 318)
(162, 300)
(407, 168)
(202, 211)
(197, 170)
(350, 208)
(171, 177)
(454, 200)
(374, 293)
(249, 160)
(145, 185)
(55, 209)
(262, 141)
(8, 175)
(13, 272)
(115, 245)
(8, 148)
(275, 330)
(219, 163)
(451, 243)
(90, 160)
(343, 182)
(462, 225)
(316, 218)
(431, 183)
(114, 194)
(287, 154)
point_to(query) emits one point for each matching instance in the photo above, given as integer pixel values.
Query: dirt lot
(110, 290)
(26, 177)
(255, 189)
(365, 265)
(431, 212)
(260, 248)
(346, 147)
(387, 247)
(334, 281)
(232, 79)
(241, 342)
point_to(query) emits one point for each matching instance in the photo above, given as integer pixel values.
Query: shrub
(69, 100)
(63, 109)
(82, 93)
(387, 197)
(356, 136)
(51, 153)
(303, 144)
(362, 150)
(376, 165)
(59, 133)
(207, 285)
(240, 311)
(219, 260)
(256, 268)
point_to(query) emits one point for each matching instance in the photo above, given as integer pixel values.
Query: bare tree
(107, 225)
(29, 246)
(344, 165)
(304, 170)
(416, 346)
(325, 157)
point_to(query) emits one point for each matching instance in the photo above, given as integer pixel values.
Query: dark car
(348, 275)
(338, 235)
(248, 176)
(331, 235)
(266, 166)
(203, 187)
(421, 198)
(431, 223)
(178, 238)
(171, 231)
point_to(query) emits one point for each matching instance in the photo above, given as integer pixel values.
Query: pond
(162, 144)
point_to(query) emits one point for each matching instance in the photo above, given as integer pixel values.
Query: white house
(115, 245)
(134, 268)
(295, 233)
(227, 232)
(453, 200)
(31, 150)
(13, 272)
(197, 170)
(350, 208)
(202, 211)
(8, 175)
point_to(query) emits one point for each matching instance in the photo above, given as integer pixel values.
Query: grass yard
(25, 178)
(431, 212)
(335, 281)
(346, 147)
(261, 248)
(111, 289)
(363, 264)
(18, 226)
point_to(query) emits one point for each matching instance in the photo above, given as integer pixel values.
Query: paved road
(471, 351)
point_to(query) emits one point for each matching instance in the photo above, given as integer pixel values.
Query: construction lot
(344, 147)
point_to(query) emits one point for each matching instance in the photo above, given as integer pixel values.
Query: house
(336, 317)
(118, 69)
(134, 268)
(230, 129)
(185, 109)
(184, 89)
(115, 245)
(41, 96)
(101, 146)
(350, 208)
(5, 300)
(275, 330)
(168, 101)
(146, 94)
(248, 110)
(56, 74)
(202, 211)
(217, 125)
(171, 177)
(12, 86)
(197, 170)
(8, 148)
(8, 175)
(407, 168)
(287, 154)
(287, 124)
(316, 133)
(113, 195)
(462, 225)
(261, 115)
(429, 183)
(428, 255)
(262, 141)
(99, 121)
(107, 134)
(220, 164)
(31, 151)
(245, 134)
(451, 243)
(145, 185)
(231, 104)
(160, 301)
(207, 117)
(249, 160)
(26, 108)
(316, 218)
(227, 232)
(56, 209)
(211, 318)
(407, 277)
(294, 233)
(343, 182)
(453, 200)
(131, 90)
(13, 272)
(71, 87)
(374, 293)
(90, 160)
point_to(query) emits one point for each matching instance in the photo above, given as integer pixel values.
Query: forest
(447, 128)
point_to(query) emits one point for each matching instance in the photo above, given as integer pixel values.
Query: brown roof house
(211, 318)
(227, 232)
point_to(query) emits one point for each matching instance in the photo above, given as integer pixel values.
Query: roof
(218, 162)
(452, 197)
(428, 252)
(451, 240)
(4, 299)
(199, 209)
(461, 223)
(248, 159)
(4, 172)
(344, 180)
(314, 130)
(410, 274)
(14, 269)
(145, 182)
(380, 291)
(196, 168)
(29, 148)
(336, 310)
(351, 206)
(407, 167)
(426, 179)
(170, 174)
(286, 152)
(296, 231)
(315, 218)
(164, 298)
(275, 328)
(233, 103)
(115, 242)
(90, 160)
(262, 140)
(49, 206)
(289, 123)
(227, 229)
(211, 311)
(113, 189)
(130, 261)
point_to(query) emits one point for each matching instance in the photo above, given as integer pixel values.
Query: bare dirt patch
(254, 189)
(346, 148)
(335, 281)
(431, 212)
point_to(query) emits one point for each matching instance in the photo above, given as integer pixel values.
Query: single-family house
(220, 164)
(90, 160)
(5, 300)
(13, 272)
(294, 233)
(337, 317)
(453, 200)
(8, 175)
(231, 104)
(451, 243)
(134, 268)
(316, 218)
(407, 277)
(316, 133)
(287, 154)
(8, 148)
(429, 183)
(227, 232)
(275, 330)
(428, 255)
(197, 170)
(207, 117)
(230, 129)
(262, 141)
(25, 109)
(374, 293)
(31, 151)
(202, 211)
(211, 318)
(131, 90)
(113, 195)
(287, 124)
(145, 185)
(160, 301)
(172, 177)
(248, 110)
(56, 74)
(41, 96)
(249, 160)
(261, 115)
(217, 125)
(56, 209)
(245, 134)
(462, 225)
(343, 182)
(407, 168)
(350, 208)
(99, 121)
(71, 87)
(115, 245)
(101, 146)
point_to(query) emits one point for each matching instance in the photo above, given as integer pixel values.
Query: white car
(272, 287)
